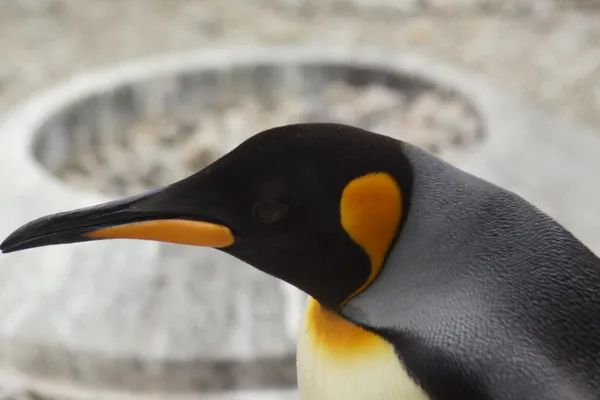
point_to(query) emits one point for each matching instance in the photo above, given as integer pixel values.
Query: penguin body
(425, 282)
(519, 293)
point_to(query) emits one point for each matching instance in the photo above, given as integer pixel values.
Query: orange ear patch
(371, 210)
(337, 359)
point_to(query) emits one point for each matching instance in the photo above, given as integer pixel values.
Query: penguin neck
(370, 212)
(448, 209)
(339, 360)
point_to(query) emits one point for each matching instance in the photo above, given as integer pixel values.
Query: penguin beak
(159, 215)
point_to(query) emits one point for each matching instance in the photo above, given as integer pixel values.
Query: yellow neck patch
(370, 211)
(339, 338)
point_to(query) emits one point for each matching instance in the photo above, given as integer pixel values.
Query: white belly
(340, 361)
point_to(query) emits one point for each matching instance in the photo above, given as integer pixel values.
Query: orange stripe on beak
(193, 233)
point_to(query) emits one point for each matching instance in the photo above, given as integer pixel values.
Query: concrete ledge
(13, 387)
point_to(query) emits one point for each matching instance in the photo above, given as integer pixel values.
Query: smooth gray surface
(108, 314)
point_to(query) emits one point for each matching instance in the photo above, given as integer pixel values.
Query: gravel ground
(546, 50)
(165, 148)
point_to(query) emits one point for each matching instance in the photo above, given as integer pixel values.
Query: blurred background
(546, 50)
(157, 321)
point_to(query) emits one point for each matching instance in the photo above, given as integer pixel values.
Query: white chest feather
(340, 361)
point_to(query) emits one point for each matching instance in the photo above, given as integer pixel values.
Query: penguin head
(316, 205)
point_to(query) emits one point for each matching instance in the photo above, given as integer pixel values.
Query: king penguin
(425, 282)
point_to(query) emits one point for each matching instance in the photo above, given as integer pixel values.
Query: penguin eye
(268, 212)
